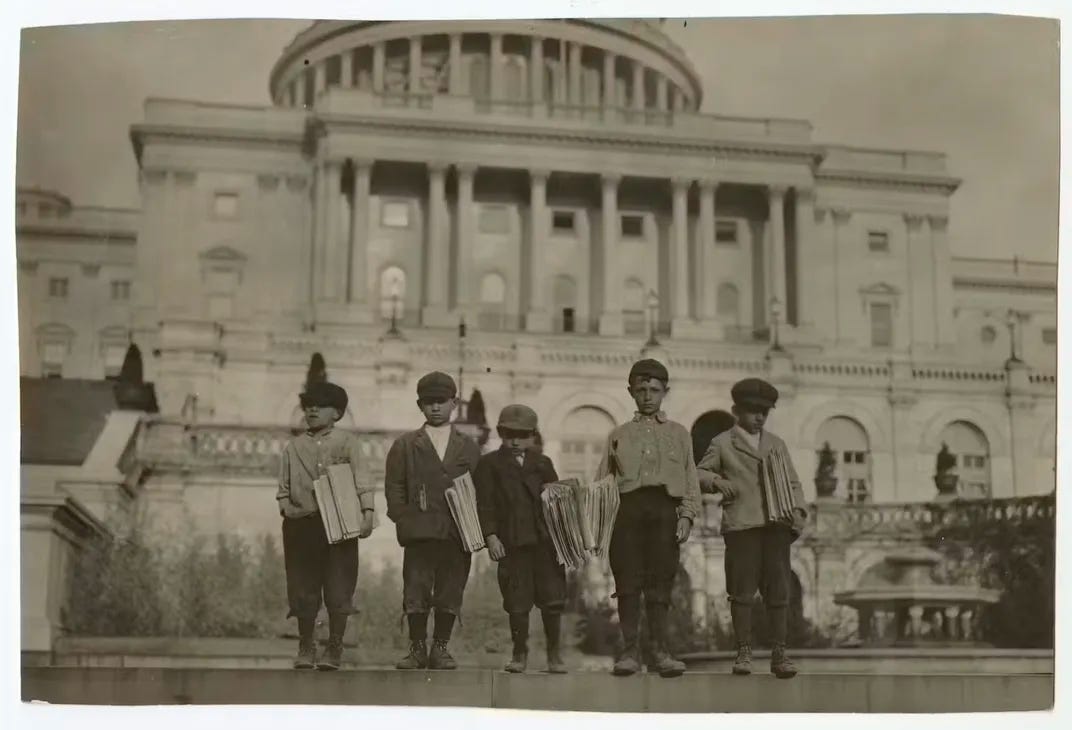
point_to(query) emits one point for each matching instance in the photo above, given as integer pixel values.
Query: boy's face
(437, 411)
(751, 418)
(648, 394)
(517, 441)
(317, 418)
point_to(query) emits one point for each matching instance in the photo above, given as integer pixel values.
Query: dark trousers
(644, 551)
(758, 559)
(531, 576)
(434, 574)
(315, 568)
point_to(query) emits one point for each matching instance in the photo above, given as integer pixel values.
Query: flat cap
(649, 369)
(517, 418)
(754, 392)
(324, 394)
(436, 385)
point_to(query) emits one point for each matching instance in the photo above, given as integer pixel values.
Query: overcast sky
(982, 89)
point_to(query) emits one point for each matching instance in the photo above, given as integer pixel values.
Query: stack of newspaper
(336, 497)
(777, 488)
(461, 499)
(580, 518)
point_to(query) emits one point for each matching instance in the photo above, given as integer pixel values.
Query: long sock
(337, 625)
(552, 629)
(444, 624)
(418, 626)
(629, 620)
(777, 620)
(741, 613)
(306, 627)
(519, 631)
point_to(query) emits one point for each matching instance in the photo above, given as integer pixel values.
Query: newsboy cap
(649, 369)
(517, 417)
(754, 392)
(436, 385)
(325, 394)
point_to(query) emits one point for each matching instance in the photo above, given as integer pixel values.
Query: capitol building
(553, 185)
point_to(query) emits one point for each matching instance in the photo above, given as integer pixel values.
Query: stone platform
(580, 691)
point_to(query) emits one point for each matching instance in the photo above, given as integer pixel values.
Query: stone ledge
(591, 692)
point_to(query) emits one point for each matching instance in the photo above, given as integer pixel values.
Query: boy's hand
(366, 523)
(726, 488)
(684, 527)
(800, 519)
(495, 548)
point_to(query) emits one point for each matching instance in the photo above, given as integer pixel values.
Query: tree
(318, 370)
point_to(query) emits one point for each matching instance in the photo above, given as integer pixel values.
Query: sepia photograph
(636, 365)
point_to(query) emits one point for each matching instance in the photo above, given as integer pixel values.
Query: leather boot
(629, 622)
(742, 665)
(662, 661)
(780, 665)
(552, 629)
(306, 658)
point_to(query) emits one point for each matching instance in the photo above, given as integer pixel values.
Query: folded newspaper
(580, 518)
(336, 498)
(778, 488)
(461, 499)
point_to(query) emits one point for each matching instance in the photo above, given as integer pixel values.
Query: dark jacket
(413, 467)
(508, 496)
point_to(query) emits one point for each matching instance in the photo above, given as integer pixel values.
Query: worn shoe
(417, 657)
(439, 657)
(332, 658)
(306, 658)
(555, 665)
(743, 663)
(780, 665)
(666, 665)
(518, 663)
(627, 664)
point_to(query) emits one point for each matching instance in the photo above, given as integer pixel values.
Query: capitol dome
(580, 63)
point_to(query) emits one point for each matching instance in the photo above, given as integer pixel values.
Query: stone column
(841, 219)
(920, 295)
(807, 292)
(606, 265)
(333, 260)
(464, 215)
(437, 259)
(454, 64)
(359, 231)
(346, 72)
(415, 65)
(610, 86)
(638, 86)
(300, 89)
(677, 99)
(679, 254)
(320, 77)
(320, 238)
(704, 246)
(945, 334)
(1023, 427)
(660, 93)
(495, 66)
(536, 91)
(575, 73)
(379, 61)
(776, 261)
(538, 318)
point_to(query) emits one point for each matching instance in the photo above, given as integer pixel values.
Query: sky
(982, 89)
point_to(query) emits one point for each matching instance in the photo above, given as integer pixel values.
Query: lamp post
(461, 368)
(653, 314)
(1011, 320)
(775, 315)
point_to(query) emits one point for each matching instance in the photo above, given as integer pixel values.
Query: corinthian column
(538, 318)
(606, 264)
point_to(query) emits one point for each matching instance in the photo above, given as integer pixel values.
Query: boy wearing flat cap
(421, 466)
(651, 459)
(757, 545)
(508, 486)
(314, 567)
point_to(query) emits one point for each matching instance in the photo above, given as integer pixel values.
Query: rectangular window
(120, 291)
(54, 353)
(632, 226)
(562, 221)
(726, 232)
(1049, 336)
(878, 242)
(856, 491)
(57, 287)
(394, 214)
(225, 205)
(568, 323)
(494, 219)
(881, 325)
(52, 370)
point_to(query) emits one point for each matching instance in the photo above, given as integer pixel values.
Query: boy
(757, 548)
(315, 567)
(421, 466)
(508, 485)
(651, 458)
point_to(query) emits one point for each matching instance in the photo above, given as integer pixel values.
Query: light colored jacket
(734, 468)
(307, 457)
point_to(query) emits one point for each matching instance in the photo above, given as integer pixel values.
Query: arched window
(392, 292)
(728, 301)
(492, 302)
(584, 435)
(514, 86)
(850, 444)
(972, 450)
(564, 298)
(479, 78)
(633, 307)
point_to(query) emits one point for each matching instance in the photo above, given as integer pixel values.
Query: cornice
(976, 283)
(142, 133)
(890, 181)
(111, 235)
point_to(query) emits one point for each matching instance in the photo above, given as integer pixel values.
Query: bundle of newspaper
(461, 499)
(777, 487)
(336, 498)
(580, 517)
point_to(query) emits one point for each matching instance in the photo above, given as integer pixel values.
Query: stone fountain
(900, 604)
